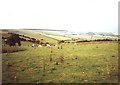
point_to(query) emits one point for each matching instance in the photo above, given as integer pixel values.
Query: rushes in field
(50, 57)
(61, 59)
(44, 67)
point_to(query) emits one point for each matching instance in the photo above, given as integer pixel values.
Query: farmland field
(95, 62)
(59, 37)
(34, 34)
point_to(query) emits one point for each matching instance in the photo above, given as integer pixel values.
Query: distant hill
(48, 30)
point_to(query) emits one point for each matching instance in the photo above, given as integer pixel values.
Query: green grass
(34, 34)
(83, 63)
(58, 37)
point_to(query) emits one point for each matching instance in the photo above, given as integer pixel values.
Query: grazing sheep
(75, 43)
(56, 45)
(33, 45)
(48, 45)
(39, 45)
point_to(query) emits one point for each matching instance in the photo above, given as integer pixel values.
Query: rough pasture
(83, 63)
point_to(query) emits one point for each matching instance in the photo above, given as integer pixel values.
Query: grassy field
(91, 37)
(82, 63)
(58, 37)
(33, 34)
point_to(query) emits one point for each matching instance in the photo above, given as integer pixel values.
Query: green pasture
(90, 37)
(58, 37)
(82, 63)
(33, 34)
(53, 39)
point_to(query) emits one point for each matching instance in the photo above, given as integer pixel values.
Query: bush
(13, 39)
(103, 40)
(83, 41)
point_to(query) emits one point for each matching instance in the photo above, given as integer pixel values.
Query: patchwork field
(95, 62)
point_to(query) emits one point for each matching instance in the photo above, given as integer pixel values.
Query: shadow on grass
(8, 49)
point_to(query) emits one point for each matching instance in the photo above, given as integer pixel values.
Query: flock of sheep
(47, 45)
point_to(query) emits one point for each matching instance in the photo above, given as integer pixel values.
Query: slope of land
(83, 63)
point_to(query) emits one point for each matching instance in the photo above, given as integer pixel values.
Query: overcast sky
(73, 15)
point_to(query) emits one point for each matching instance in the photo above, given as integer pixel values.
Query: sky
(72, 15)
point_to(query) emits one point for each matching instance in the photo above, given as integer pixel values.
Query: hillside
(33, 34)
(49, 36)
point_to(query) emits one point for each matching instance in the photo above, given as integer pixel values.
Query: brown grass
(8, 49)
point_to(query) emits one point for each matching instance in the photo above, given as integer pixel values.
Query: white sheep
(33, 45)
(39, 45)
(56, 45)
(48, 45)
(75, 43)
